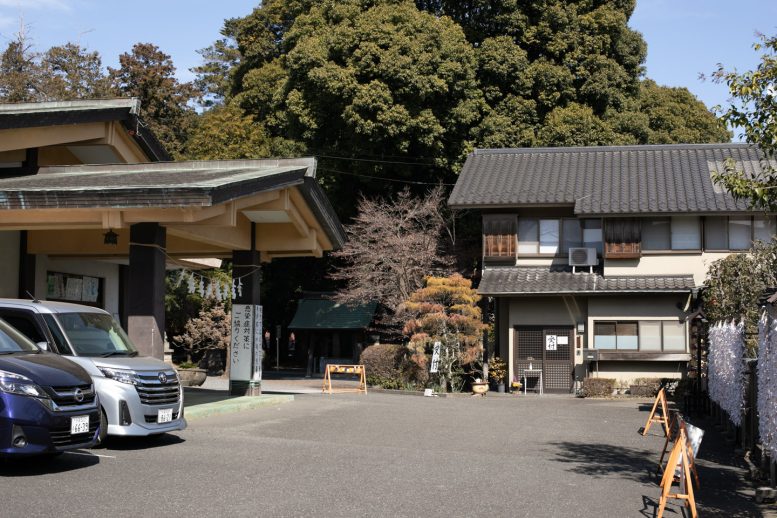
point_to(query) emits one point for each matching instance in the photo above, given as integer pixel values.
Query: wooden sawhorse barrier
(356, 370)
(654, 416)
(676, 428)
(679, 458)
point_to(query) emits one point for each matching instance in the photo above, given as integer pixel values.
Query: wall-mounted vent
(582, 257)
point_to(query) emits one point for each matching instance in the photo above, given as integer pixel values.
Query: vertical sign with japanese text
(435, 358)
(246, 343)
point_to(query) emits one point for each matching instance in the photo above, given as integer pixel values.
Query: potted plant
(516, 386)
(479, 387)
(190, 375)
(497, 372)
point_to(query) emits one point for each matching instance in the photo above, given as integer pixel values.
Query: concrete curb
(238, 404)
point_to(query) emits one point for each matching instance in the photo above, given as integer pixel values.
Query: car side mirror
(44, 346)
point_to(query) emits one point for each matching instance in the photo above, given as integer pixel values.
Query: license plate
(164, 416)
(79, 424)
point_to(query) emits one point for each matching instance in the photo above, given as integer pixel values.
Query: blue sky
(685, 37)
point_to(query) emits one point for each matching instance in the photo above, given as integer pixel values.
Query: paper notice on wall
(551, 342)
(90, 289)
(563, 340)
(74, 288)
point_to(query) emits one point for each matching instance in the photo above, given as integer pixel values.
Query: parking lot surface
(381, 455)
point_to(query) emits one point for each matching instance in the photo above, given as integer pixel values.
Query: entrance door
(546, 348)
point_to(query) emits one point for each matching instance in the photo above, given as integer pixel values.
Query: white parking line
(90, 454)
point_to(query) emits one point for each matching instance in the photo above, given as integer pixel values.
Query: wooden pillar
(146, 300)
(246, 270)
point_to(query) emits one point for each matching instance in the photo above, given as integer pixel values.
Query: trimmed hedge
(598, 387)
(645, 387)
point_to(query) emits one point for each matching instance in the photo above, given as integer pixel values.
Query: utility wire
(414, 182)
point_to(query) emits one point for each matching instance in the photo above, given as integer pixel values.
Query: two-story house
(592, 255)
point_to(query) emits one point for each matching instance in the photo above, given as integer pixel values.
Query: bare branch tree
(393, 245)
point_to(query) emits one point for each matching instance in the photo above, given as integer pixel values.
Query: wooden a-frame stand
(654, 417)
(678, 457)
(357, 370)
(676, 425)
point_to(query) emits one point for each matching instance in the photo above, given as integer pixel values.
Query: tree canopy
(753, 110)
(404, 90)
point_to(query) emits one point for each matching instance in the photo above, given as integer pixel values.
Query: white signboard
(246, 339)
(551, 343)
(435, 358)
(563, 340)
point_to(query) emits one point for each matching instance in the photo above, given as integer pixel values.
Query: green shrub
(386, 383)
(598, 387)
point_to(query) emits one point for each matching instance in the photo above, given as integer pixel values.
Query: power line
(375, 160)
(414, 182)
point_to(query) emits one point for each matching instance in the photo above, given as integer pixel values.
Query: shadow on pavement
(45, 465)
(141, 443)
(602, 460)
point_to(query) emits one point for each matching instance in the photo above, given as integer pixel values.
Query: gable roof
(328, 314)
(600, 181)
(59, 113)
(523, 280)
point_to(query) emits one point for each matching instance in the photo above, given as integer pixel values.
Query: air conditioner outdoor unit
(582, 257)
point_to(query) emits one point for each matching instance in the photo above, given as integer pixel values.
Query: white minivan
(138, 395)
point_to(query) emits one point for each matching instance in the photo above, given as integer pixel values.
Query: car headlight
(21, 385)
(122, 376)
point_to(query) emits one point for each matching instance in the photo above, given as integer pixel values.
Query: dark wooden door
(546, 348)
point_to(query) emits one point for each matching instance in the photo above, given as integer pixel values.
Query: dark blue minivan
(47, 403)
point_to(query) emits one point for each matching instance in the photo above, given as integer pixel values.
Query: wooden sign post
(356, 370)
(654, 417)
(678, 458)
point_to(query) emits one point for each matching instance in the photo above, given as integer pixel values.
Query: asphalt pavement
(381, 455)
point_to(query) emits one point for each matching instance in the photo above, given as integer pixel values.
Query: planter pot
(500, 388)
(480, 388)
(192, 377)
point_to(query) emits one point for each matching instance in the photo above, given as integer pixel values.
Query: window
(499, 236)
(549, 236)
(592, 234)
(740, 233)
(656, 234)
(616, 335)
(722, 233)
(644, 336)
(686, 234)
(764, 229)
(528, 239)
(675, 233)
(716, 233)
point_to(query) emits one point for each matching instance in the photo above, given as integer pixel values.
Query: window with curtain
(764, 228)
(686, 233)
(528, 235)
(740, 231)
(549, 236)
(642, 336)
(716, 233)
(656, 234)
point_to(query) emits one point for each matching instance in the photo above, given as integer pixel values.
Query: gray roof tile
(604, 180)
(520, 280)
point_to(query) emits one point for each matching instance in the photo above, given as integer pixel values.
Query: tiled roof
(533, 280)
(604, 180)
(327, 314)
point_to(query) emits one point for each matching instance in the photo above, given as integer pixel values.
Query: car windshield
(12, 341)
(96, 334)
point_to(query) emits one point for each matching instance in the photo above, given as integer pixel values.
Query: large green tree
(149, 74)
(70, 71)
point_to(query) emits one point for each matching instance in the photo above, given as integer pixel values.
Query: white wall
(107, 271)
(695, 264)
(9, 264)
